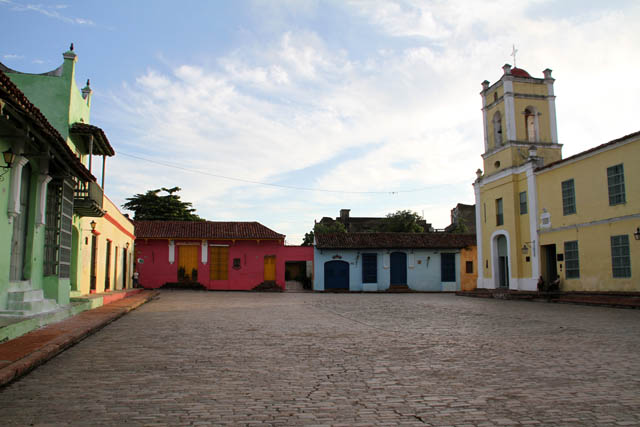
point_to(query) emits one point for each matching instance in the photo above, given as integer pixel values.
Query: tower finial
(513, 53)
(88, 82)
(71, 47)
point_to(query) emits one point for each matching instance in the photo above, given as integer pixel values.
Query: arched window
(531, 124)
(497, 129)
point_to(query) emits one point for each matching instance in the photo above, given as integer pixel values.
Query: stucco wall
(423, 269)
(156, 270)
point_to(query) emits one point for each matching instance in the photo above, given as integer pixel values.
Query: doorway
(20, 228)
(187, 263)
(107, 268)
(398, 272)
(550, 268)
(503, 261)
(270, 268)
(94, 259)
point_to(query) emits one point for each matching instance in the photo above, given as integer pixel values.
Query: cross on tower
(513, 53)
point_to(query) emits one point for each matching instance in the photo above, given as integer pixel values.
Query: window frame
(621, 255)
(218, 263)
(499, 212)
(568, 191)
(616, 190)
(524, 209)
(571, 259)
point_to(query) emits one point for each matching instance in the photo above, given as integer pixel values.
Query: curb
(67, 333)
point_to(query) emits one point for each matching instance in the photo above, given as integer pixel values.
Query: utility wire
(270, 184)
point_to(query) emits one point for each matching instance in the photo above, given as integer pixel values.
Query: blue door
(398, 268)
(336, 275)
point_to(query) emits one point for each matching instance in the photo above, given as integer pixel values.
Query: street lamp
(9, 157)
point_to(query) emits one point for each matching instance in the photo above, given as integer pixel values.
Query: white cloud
(51, 11)
(12, 56)
(403, 117)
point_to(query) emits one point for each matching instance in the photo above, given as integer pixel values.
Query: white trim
(43, 180)
(172, 251)
(485, 128)
(584, 156)
(494, 258)
(553, 125)
(480, 263)
(592, 223)
(513, 170)
(13, 208)
(509, 112)
(204, 251)
(532, 196)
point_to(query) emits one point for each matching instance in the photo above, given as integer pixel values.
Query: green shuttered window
(615, 181)
(568, 197)
(620, 257)
(571, 259)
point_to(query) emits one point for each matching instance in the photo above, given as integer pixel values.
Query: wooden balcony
(87, 199)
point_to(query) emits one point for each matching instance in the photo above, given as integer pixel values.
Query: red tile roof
(203, 230)
(394, 240)
(591, 150)
(101, 146)
(14, 97)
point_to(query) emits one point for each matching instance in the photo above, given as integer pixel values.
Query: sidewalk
(606, 299)
(23, 354)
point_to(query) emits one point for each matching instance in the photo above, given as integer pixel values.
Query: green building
(47, 186)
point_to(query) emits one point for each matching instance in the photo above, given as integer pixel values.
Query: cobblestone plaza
(342, 359)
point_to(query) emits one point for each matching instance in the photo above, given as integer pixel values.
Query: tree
(319, 228)
(403, 222)
(152, 206)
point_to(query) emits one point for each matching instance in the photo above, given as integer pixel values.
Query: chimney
(344, 216)
(507, 69)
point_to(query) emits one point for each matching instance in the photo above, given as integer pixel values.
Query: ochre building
(541, 218)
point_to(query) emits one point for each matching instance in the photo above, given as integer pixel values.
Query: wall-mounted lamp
(525, 248)
(636, 235)
(9, 157)
(127, 245)
(93, 225)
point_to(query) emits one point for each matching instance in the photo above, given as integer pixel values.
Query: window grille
(615, 180)
(568, 197)
(369, 268)
(620, 258)
(571, 258)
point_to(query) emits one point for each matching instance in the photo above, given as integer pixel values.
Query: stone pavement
(193, 357)
(23, 354)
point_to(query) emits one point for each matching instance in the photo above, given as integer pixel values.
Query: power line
(271, 184)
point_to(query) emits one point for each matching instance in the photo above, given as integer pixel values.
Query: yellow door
(188, 263)
(219, 263)
(270, 268)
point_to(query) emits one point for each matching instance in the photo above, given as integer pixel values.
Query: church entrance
(502, 262)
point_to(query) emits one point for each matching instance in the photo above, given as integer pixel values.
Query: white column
(41, 210)
(480, 262)
(204, 251)
(13, 209)
(172, 251)
(532, 194)
(509, 111)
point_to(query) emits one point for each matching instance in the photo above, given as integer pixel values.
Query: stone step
(13, 313)
(32, 307)
(19, 285)
(30, 295)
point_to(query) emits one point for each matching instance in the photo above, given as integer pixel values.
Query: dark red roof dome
(519, 72)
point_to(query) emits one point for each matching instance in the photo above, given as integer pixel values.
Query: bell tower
(519, 118)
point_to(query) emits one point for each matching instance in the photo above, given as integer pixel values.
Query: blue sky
(373, 105)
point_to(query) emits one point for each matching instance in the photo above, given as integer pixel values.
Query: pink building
(218, 255)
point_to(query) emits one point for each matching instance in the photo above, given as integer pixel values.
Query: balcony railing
(87, 199)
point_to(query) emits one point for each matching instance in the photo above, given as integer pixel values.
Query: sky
(286, 111)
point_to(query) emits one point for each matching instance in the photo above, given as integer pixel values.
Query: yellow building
(538, 215)
(105, 259)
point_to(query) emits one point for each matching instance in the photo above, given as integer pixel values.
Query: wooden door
(336, 275)
(107, 267)
(94, 259)
(188, 263)
(270, 268)
(219, 263)
(398, 268)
